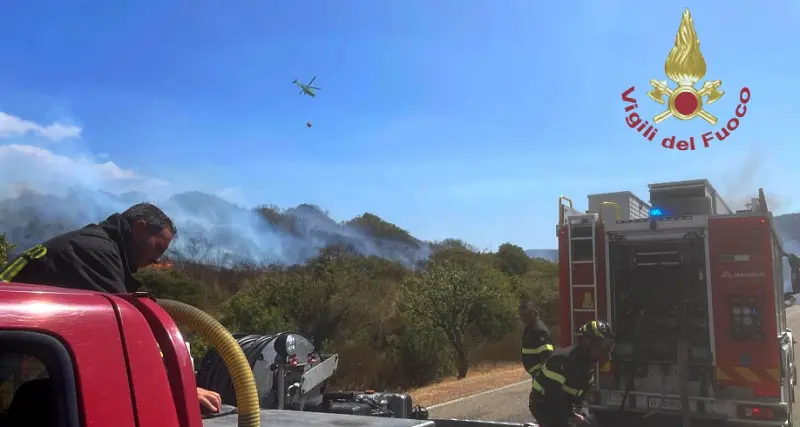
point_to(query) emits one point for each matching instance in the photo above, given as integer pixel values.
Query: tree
(176, 285)
(5, 249)
(322, 298)
(375, 226)
(468, 303)
(420, 352)
(513, 260)
(246, 312)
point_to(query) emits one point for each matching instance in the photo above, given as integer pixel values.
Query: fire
(162, 265)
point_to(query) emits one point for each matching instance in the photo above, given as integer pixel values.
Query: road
(511, 404)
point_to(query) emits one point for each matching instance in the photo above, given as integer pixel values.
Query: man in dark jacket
(99, 257)
(537, 345)
(103, 257)
(560, 385)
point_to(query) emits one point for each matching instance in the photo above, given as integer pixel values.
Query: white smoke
(71, 191)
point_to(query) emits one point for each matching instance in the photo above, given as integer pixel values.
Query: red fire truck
(694, 291)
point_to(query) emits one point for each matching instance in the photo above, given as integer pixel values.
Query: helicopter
(307, 89)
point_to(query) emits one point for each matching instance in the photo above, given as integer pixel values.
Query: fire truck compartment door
(786, 268)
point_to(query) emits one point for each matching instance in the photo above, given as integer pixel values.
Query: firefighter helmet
(596, 330)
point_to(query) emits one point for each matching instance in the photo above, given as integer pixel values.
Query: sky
(449, 118)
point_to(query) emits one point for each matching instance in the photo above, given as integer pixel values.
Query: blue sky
(449, 118)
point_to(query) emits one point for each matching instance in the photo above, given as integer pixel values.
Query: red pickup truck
(73, 358)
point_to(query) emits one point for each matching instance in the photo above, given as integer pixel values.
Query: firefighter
(98, 257)
(103, 257)
(558, 388)
(537, 345)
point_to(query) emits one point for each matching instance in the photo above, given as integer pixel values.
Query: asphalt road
(511, 404)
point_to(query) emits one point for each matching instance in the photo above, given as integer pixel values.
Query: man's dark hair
(525, 303)
(154, 217)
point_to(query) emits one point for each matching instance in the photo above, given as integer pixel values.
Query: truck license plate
(659, 403)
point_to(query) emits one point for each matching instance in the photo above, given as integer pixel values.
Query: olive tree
(470, 302)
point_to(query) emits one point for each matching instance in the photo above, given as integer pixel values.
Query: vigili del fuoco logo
(685, 66)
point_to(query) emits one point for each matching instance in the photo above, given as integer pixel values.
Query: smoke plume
(45, 194)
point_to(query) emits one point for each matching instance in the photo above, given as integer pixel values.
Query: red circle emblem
(686, 103)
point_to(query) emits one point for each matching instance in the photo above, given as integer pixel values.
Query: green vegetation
(393, 327)
(5, 249)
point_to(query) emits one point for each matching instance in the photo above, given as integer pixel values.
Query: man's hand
(209, 400)
(579, 419)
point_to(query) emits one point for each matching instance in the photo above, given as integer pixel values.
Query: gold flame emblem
(685, 66)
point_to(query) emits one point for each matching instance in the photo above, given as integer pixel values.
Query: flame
(685, 64)
(162, 265)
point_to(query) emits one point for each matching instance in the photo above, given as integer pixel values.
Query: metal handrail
(561, 208)
(616, 208)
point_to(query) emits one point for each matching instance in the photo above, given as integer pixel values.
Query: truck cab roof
(28, 288)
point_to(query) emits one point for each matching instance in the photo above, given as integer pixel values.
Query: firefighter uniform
(537, 345)
(559, 387)
(98, 257)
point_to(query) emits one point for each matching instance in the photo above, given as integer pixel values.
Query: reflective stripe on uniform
(537, 350)
(594, 328)
(15, 267)
(535, 368)
(555, 376)
(538, 387)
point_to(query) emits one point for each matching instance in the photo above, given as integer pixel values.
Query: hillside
(212, 228)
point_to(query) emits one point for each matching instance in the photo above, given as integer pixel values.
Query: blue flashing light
(656, 212)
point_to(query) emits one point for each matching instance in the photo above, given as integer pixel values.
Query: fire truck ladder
(583, 227)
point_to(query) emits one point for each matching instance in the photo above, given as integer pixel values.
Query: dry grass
(479, 378)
